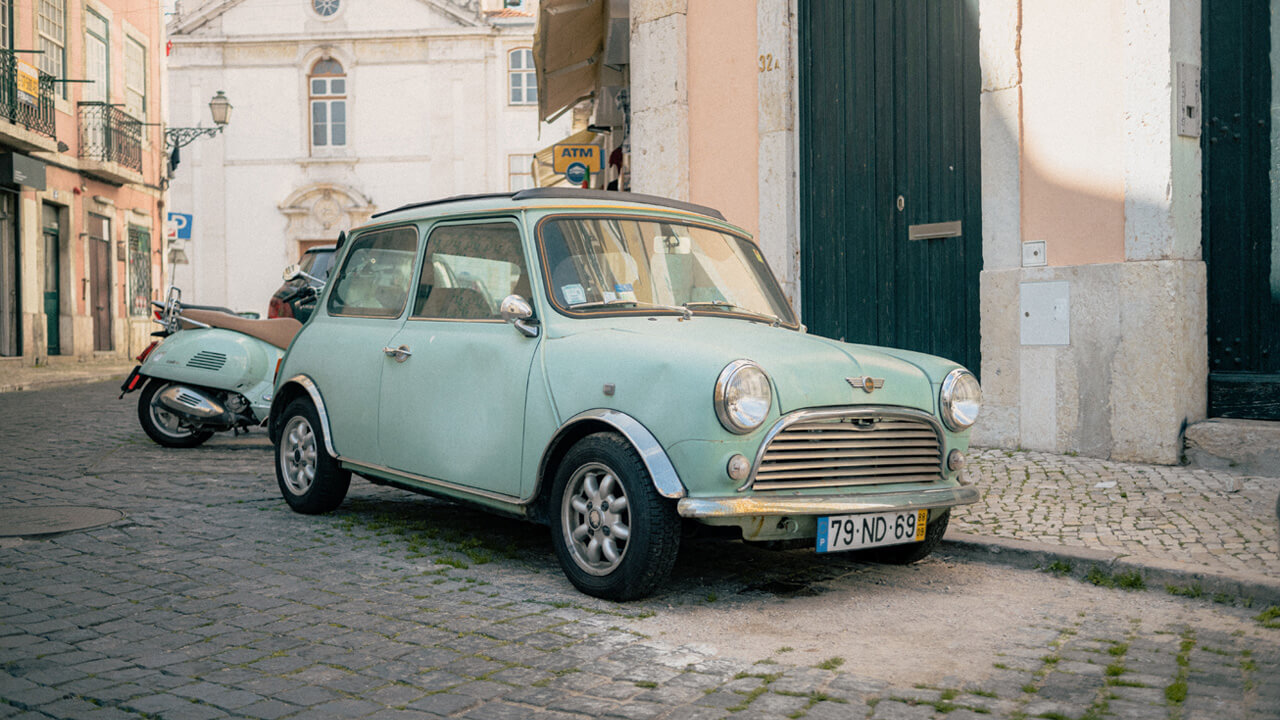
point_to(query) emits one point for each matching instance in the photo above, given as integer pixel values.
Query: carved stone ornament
(323, 210)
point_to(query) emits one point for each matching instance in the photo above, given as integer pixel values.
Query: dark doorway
(10, 278)
(890, 178)
(52, 280)
(1241, 177)
(100, 281)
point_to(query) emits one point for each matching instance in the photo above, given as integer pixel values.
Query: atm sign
(566, 155)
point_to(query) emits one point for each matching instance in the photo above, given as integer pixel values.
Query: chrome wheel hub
(298, 455)
(595, 519)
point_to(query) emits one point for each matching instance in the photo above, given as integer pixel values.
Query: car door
(342, 351)
(453, 403)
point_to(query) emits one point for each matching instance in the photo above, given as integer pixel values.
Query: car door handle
(400, 354)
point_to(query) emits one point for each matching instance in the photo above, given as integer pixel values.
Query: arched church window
(328, 97)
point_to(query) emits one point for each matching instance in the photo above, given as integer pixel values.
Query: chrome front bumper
(767, 505)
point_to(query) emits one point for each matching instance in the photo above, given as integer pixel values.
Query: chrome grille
(821, 449)
(206, 360)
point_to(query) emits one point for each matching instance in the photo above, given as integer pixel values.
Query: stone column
(659, 98)
(779, 183)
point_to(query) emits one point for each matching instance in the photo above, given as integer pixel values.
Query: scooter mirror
(293, 271)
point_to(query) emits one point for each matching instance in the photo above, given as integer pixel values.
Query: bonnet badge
(866, 383)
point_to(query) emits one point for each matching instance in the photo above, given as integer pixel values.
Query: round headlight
(743, 396)
(960, 399)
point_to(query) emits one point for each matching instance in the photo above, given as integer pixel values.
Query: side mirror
(342, 240)
(517, 311)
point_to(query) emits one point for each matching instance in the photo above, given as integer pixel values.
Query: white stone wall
(659, 98)
(427, 118)
(779, 183)
(1135, 369)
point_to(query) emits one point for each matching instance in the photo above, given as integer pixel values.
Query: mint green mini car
(614, 366)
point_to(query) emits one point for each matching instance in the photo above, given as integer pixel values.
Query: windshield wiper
(686, 312)
(772, 319)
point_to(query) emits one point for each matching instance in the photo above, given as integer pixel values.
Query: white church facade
(342, 108)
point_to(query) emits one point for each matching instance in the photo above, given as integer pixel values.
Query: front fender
(295, 387)
(665, 479)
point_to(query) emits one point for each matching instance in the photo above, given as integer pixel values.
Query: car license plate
(855, 532)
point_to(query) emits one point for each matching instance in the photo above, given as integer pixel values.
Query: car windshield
(611, 264)
(316, 263)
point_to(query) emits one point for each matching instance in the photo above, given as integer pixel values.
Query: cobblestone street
(1209, 518)
(211, 599)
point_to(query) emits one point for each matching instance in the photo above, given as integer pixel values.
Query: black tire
(645, 556)
(913, 552)
(162, 425)
(310, 479)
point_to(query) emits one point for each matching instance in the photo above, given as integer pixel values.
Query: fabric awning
(544, 161)
(567, 49)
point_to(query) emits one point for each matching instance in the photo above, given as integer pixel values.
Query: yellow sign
(588, 155)
(28, 83)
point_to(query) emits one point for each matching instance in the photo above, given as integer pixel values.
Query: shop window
(139, 270)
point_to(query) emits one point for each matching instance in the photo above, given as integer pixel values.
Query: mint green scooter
(210, 371)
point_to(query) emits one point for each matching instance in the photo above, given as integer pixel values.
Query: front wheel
(163, 426)
(310, 479)
(913, 552)
(615, 536)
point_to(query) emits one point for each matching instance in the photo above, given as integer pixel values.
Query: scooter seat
(276, 331)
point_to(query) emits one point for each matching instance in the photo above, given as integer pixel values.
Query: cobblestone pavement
(210, 599)
(59, 371)
(1201, 518)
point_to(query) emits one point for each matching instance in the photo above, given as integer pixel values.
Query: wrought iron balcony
(34, 112)
(108, 134)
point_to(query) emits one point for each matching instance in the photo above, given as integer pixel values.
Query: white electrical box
(1033, 254)
(1044, 309)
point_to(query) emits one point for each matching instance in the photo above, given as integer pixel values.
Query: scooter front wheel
(162, 425)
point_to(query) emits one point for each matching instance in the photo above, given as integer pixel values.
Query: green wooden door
(1241, 176)
(52, 291)
(891, 236)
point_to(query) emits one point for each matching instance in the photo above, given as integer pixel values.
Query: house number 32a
(767, 63)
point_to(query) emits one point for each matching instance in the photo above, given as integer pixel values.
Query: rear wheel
(615, 536)
(310, 479)
(163, 426)
(913, 552)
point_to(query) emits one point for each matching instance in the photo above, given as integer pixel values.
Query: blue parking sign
(179, 226)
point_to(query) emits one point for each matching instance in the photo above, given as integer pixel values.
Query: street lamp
(219, 108)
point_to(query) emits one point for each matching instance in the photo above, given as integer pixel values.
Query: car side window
(376, 274)
(468, 270)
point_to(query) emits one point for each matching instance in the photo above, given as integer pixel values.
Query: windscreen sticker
(573, 294)
(607, 296)
(625, 291)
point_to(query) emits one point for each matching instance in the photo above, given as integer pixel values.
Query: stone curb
(1156, 573)
(49, 379)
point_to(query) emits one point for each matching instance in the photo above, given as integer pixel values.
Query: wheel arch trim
(313, 392)
(665, 479)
